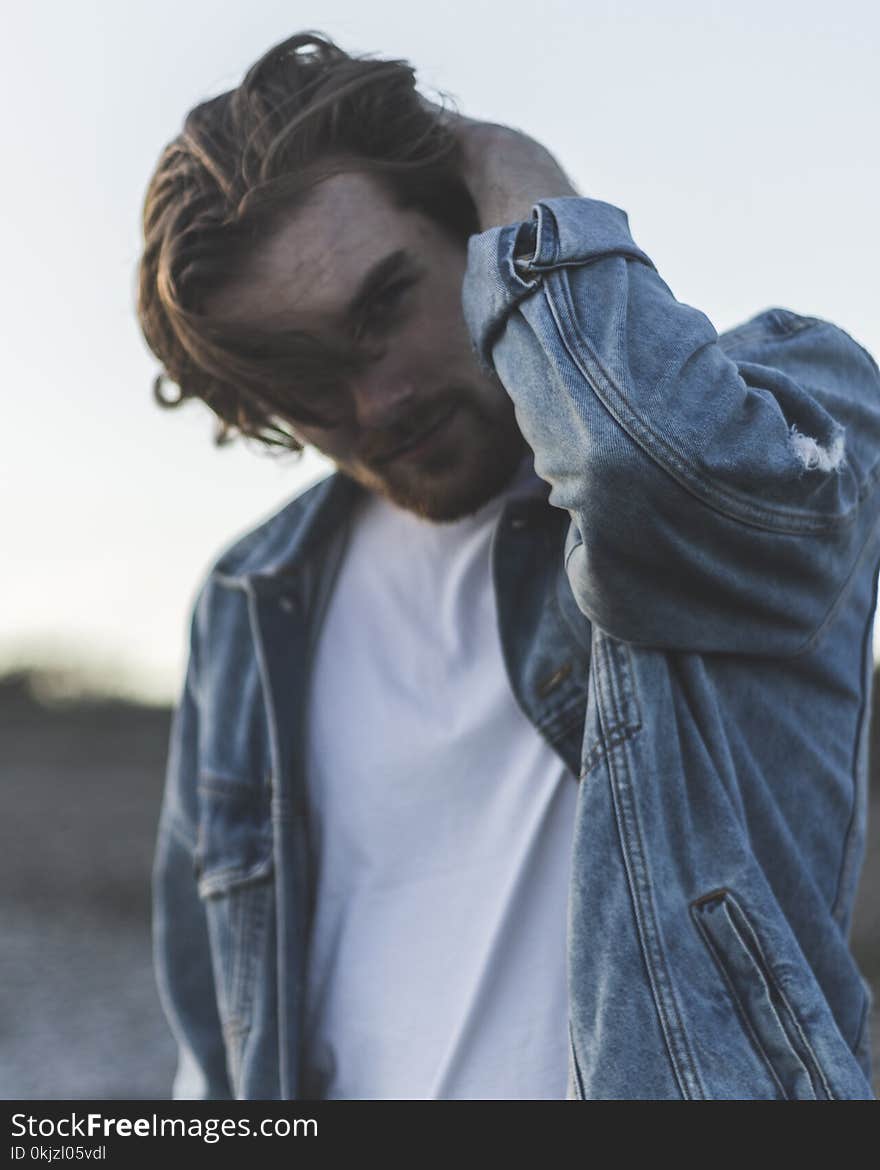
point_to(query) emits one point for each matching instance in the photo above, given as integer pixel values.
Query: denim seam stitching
(626, 723)
(863, 1027)
(847, 861)
(564, 712)
(220, 881)
(795, 1022)
(256, 924)
(765, 981)
(723, 501)
(733, 910)
(576, 1068)
(176, 829)
(839, 598)
(737, 1000)
(210, 780)
(681, 1058)
(560, 727)
(599, 749)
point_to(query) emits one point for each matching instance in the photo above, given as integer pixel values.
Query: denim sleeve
(180, 935)
(721, 491)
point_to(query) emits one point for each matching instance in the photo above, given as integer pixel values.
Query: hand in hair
(505, 170)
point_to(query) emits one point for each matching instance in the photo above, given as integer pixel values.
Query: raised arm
(723, 491)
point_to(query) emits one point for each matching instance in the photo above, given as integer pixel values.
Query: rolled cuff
(506, 264)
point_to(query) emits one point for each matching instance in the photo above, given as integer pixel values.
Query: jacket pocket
(234, 845)
(234, 869)
(574, 1090)
(766, 1012)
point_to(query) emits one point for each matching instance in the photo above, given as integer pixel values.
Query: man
(526, 755)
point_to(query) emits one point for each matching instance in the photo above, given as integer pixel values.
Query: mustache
(379, 446)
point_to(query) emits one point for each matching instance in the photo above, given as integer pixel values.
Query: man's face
(422, 424)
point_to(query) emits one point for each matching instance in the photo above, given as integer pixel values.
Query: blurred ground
(79, 1015)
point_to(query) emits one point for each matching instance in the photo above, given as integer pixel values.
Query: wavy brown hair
(305, 110)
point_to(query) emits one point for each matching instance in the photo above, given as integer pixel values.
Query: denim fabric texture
(687, 621)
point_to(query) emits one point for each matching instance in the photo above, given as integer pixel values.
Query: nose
(383, 393)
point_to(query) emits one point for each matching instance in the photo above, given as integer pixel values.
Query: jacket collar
(275, 550)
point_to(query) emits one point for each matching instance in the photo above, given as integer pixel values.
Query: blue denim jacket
(687, 621)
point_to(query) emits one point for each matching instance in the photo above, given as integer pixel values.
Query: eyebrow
(377, 276)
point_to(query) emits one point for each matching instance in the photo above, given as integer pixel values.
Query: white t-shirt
(441, 827)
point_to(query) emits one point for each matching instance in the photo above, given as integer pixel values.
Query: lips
(416, 440)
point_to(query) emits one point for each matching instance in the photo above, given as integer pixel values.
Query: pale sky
(741, 139)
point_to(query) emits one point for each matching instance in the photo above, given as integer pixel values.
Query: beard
(457, 480)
